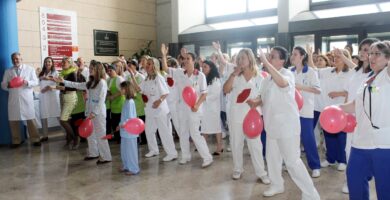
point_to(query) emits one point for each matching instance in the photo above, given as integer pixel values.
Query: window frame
(240, 16)
(341, 3)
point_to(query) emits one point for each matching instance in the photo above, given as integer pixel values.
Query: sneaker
(342, 167)
(228, 149)
(169, 158)
(316, 173)
(207, 163)
(272, 191)
(184, 161)
(265, 180)
(325, 163)
(345, 189)
(151, 154)
(236, 175)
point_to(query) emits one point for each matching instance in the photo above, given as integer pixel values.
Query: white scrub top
(154, 89)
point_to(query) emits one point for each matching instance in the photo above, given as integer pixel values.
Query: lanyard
(368, 88)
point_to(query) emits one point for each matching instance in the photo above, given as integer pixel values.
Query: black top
(70, 77)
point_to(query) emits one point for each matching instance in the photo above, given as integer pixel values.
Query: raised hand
(164, 49)
(309, 49)
(216, 46)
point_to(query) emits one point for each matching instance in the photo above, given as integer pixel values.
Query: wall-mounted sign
(58, 34)
(105, 43)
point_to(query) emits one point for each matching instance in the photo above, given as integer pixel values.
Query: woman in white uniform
(306, 81)
(157, 117)
(189, 118)
(281, 122)
(370, 153)
(335, 79)
(211, 121)
(173, 97)
(49, 100)
(96, 110)
(244, 78)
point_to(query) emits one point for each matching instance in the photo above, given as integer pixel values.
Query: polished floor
(52, 172)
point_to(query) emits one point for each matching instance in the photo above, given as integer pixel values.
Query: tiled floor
(52, 172)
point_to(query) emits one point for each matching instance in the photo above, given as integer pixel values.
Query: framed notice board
(105, 43)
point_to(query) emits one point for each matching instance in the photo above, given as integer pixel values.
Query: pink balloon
(253, 124)
(189, 96)
(16, 82)
(351, 123)
(134, 126)
(299, 99)
(86, 128)
(333, 119)
(264, 74)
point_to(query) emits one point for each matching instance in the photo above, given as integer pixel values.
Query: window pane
(265, 43)
(347, 11)
(255, 5)
(303, 40)
(234, 48)
(190, 47)
(339, 41)
(224, 7)
(380, 36)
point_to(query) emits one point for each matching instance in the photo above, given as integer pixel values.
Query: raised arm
(310, 62)
(347, 61)
(228, 86)
(217, 48)
(164, 53)
(276, 76)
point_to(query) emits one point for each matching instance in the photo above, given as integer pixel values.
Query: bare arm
(348, 107)
(276, 76)
(164, 52)
(309, 50)
(346, 60)
(228, 86)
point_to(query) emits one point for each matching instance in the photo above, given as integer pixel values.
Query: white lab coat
(49, 102)
(211, 121)
(173, 101)
(20, 100)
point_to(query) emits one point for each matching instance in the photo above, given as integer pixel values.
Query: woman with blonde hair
(68, 100)
(155, 91)
(243, 79)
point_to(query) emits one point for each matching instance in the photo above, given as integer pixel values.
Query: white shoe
(169, 158)
(265, 180)
(272, 191)
(184, 161)
(342, 167)
(207, 163)
(316, 173)
(345, 189)
(325, 163)
(236, 175)
(151, 154)
(228, 149)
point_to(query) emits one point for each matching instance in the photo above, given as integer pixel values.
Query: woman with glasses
(370, 152)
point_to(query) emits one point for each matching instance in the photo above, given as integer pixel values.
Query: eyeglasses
(376, 54)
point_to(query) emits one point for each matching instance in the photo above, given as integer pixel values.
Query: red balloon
(16, 82)
(134, 126)
(189, 96)
(264, 74)
(86, 128)
(299, 99)
(253, 124)
(333, 119)
(351, 123)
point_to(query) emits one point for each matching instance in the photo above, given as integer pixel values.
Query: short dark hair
(193, 56)
(15, 54)
(283, 54)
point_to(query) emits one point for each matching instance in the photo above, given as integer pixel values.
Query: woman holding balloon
(281, 122)
(306, 81)
(370, 153)
(95, 110)
(155, 91)
(244, 84)
(193, 87)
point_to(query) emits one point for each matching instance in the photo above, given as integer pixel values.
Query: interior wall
(135, 21)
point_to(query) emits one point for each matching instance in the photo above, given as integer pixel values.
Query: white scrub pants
(288, 150)
(163, 124)
(174, 116)
(97, 146)
(255, 147)
(189, 126)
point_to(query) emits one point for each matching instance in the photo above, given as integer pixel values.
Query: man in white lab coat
(21, 100)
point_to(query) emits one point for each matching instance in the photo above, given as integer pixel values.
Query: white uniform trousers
(255, 147)
(175, 117)
(189, 126)
(97, 146)
(163, 124)
(288, 150)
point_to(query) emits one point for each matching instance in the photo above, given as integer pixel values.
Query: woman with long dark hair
(49, 99)
(211, 122)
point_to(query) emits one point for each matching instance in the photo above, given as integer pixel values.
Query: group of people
(226, 89)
